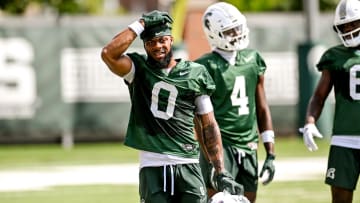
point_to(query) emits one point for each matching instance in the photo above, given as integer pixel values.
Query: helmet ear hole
(334, 28)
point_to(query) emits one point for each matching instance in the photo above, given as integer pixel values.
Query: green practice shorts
(181, 183)
(244, 169)
(343, 167)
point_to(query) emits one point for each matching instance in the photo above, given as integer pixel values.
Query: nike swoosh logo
(248, 59)
(183, 73)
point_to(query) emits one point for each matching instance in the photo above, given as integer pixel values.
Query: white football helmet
(225, 197)
(348, 11)
(225, 27)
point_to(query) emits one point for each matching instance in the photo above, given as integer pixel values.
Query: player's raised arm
(113, 53)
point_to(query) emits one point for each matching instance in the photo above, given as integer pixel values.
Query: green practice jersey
(162, 111)
(234, 98)
(344, 65)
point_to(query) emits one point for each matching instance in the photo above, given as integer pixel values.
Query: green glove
(156, 18)
(225, 182)
(270, 167)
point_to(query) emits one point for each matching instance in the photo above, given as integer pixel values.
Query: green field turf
(12, 156)
(277, 192)
(23, 156)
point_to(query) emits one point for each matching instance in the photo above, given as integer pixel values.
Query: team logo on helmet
(342, 10)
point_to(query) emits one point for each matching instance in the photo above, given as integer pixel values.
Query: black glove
(225, 182)
(270, 167)
(155, 18)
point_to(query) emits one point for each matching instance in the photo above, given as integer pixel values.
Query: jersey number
(170, 103)
(238, 96)
(355, 82)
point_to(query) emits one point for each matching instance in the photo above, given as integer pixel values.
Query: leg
(341, 195)
(206, 170)
(189, 184)
(342, 173)
(151, 185)
(248, 175)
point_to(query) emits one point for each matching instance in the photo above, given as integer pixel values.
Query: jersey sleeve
(253, 57)
(261, 64)
(206, 85)
(335, 58)
(326, 61)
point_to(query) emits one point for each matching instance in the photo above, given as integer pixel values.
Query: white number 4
(238, 96)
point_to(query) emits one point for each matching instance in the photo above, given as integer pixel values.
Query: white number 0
(171, 100)
(238, 96)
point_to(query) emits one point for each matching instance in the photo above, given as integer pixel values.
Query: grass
(18, 156)
(22, 156)
(75, 194)
(295, 192)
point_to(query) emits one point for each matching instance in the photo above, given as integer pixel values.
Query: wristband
(268, 136)
(136, 27)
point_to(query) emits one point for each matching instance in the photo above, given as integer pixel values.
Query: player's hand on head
(268, 169)
(225, 182)
(310, 131)
(155, 18)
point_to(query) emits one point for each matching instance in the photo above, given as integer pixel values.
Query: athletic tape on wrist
(268, 136)
(136, 27)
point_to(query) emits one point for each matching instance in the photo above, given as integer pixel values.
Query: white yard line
(44, 177)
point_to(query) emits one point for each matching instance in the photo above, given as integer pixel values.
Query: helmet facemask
(349, 37)
(236, 38)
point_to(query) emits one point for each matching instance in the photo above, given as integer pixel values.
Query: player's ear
(172, 40)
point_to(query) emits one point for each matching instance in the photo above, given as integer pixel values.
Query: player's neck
(229, 56)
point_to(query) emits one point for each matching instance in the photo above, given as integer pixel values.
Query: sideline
(44, 177)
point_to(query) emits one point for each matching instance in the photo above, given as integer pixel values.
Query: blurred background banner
(53, 83)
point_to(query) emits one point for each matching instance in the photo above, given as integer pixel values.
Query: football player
(239, 101)
(340, 69)
(166, 95)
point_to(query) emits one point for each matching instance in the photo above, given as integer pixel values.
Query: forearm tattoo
(213, 144)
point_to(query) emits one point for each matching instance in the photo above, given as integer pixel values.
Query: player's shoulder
(335, 57)
(189, 64)
(192, 66)
(250, 56)
(336, 50)
(205, 58)
(249, 52)
(212, 60)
